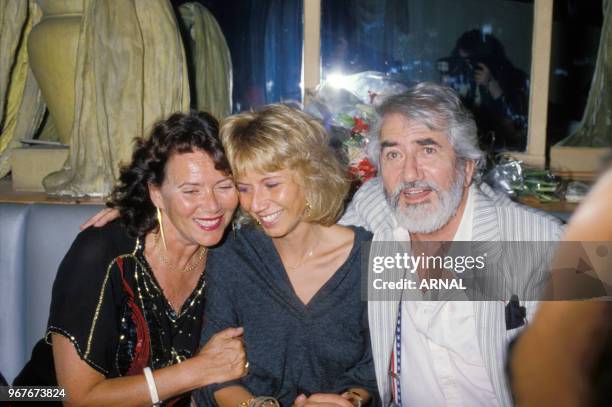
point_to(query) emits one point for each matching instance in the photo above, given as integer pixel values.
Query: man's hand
(101, 218)
(322, 400)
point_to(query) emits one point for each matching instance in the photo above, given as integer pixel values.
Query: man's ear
(155, 195)
(469, 168)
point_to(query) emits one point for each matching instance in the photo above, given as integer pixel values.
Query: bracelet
(152, 388)
(265, 402)
(262, 401)
(354, 397)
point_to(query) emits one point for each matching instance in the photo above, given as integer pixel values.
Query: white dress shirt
(441, 362)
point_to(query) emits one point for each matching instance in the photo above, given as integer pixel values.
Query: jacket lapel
(490, 315)
(382, 316)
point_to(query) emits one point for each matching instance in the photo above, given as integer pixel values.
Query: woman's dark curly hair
(179, 133)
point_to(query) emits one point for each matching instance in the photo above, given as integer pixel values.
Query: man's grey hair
(438, 107)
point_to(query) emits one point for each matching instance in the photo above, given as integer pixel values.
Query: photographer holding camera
(494, 90)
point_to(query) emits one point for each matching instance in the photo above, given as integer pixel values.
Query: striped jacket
(496, 219)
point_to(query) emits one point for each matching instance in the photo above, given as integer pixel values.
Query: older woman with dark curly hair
(127, 302)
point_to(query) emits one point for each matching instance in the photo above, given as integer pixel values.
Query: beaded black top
(107, 301)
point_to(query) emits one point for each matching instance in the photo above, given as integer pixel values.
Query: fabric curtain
(271, 52)
(210, 60)
(283, 51)
(256, 36)
(21, 104)
(130, 73)
(595, 129)
(13, 18)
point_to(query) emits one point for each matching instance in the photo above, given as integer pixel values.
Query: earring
(161, 228)
(307, 209)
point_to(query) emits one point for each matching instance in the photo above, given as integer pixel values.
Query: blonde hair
(279, 137)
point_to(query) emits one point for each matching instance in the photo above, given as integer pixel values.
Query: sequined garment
(107, 301)
(149, 325)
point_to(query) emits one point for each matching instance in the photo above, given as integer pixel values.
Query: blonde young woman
(291, 277)
(127, 303)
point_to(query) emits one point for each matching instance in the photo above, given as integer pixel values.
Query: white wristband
(151, 384)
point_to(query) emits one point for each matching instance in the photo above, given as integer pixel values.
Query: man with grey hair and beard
(426, 352)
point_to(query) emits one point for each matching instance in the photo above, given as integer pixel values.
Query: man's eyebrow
(427, 142)
(387, 144)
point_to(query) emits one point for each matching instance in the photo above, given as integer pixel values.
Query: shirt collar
(464, 231)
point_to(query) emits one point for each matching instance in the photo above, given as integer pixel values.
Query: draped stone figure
(211, 60)
(107, 70)
(21, 105)
(13, 16)
(130, 72)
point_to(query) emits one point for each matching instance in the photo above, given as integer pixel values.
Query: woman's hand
(101, 218)
(222, 358)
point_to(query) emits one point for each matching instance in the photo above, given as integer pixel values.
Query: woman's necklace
(199, 256)
(305, 257)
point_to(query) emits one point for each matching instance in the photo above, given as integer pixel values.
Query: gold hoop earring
(161, 228)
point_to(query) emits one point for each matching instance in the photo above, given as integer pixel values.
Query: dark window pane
(482, 48)
(575, 41)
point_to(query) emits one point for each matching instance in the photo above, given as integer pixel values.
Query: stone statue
(211, 60)
(128, 70)
(107, 70)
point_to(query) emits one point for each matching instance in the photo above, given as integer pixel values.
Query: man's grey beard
(425, 217)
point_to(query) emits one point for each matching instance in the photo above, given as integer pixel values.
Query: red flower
(363, 171)
(360, 126)
(366, 169)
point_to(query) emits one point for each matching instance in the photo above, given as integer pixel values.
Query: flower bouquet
(359, 165)
(346, 104)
